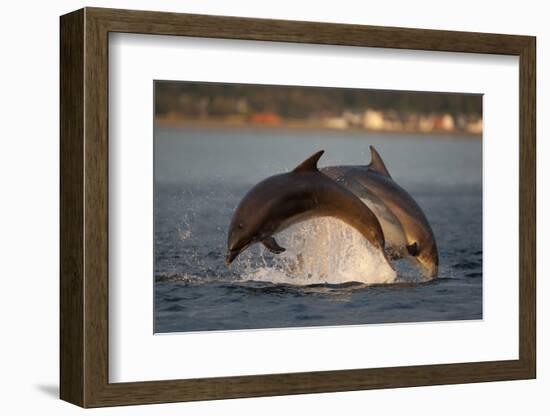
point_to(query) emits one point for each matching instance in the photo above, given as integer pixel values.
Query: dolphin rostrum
(406, 229)
(282, 200)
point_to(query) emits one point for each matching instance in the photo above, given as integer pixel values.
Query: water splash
(319, 251)
(184, 229)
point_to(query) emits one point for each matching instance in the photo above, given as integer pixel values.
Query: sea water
(329, 275)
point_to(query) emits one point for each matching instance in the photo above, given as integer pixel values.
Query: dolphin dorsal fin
(376, 163)
(310, 164)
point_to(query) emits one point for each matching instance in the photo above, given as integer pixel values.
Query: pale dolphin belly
(394, 234)
(391, 227)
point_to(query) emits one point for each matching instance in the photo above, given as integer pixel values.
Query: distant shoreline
(300, 125)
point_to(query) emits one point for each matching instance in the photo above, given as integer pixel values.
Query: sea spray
(319, 251)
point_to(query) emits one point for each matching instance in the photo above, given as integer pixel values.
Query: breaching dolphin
(406, 230)
(282, 200)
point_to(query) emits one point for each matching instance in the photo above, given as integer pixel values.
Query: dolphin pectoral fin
(413, 249)
(272, 245)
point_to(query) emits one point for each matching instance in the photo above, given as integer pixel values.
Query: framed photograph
(256, 207)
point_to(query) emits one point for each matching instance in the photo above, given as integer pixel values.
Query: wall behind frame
(29, 167)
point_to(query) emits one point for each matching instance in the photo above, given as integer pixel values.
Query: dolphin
(282, 200)
(406, 229)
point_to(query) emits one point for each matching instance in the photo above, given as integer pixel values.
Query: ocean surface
(201, 174)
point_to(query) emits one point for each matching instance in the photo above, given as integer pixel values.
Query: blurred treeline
(199, 100)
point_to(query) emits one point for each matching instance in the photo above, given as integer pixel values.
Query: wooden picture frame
(84, 207)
